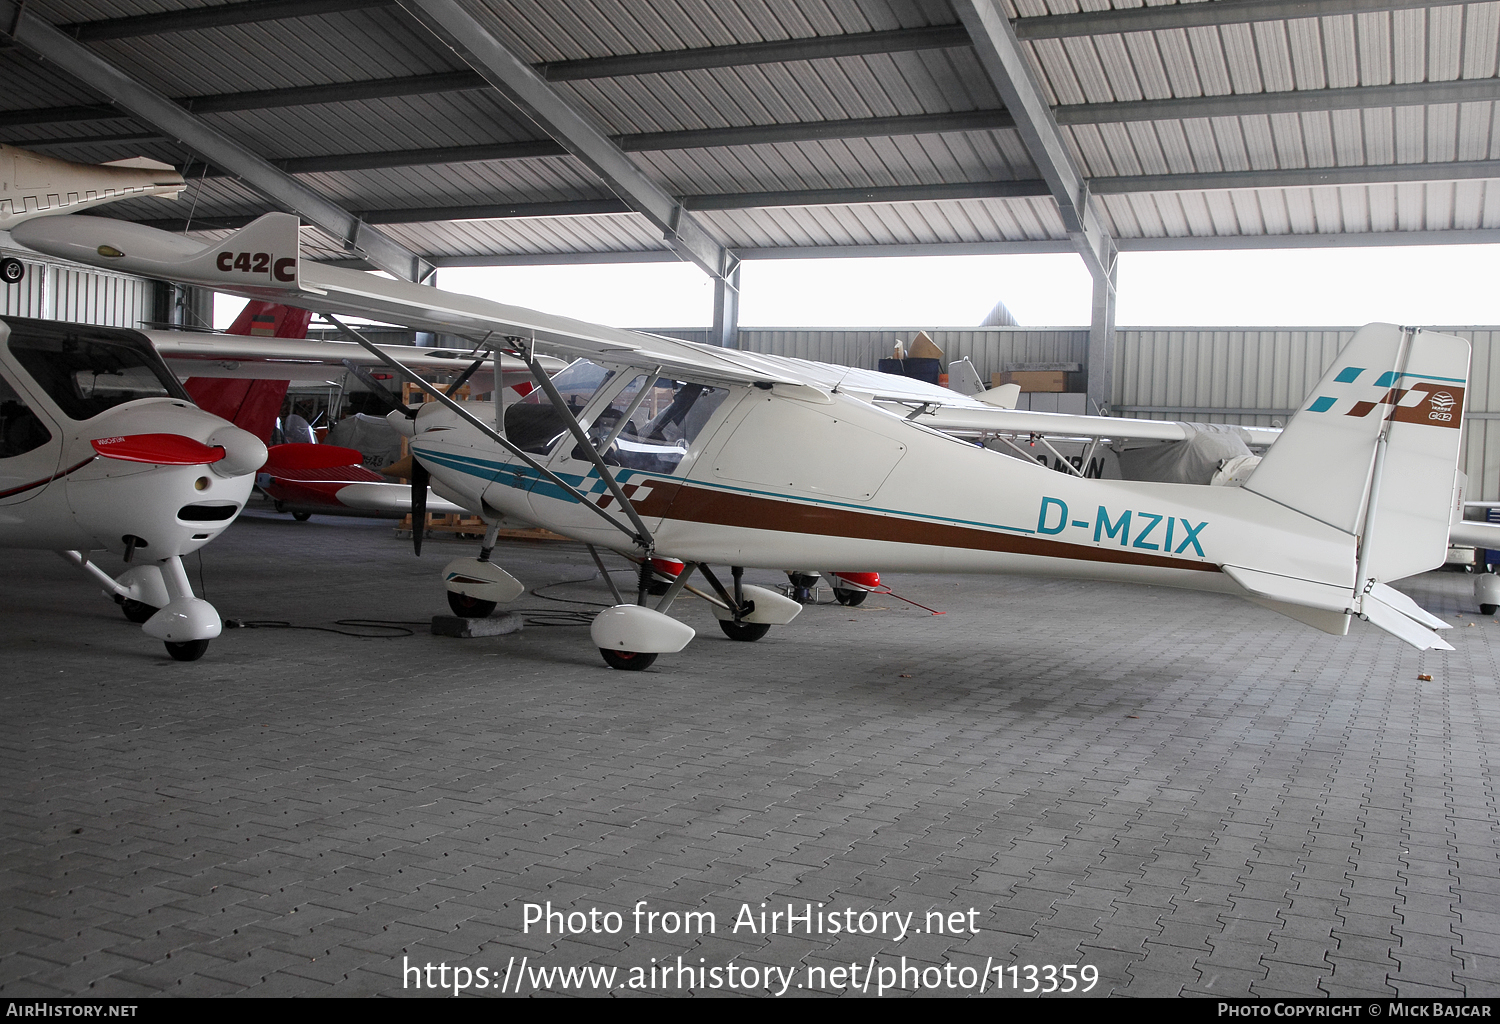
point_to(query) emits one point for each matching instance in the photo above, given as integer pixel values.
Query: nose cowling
(243, 451)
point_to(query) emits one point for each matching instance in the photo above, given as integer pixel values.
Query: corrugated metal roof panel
(1434, 44)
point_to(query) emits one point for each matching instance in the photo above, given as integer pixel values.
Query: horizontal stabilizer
(1398, 625)
(1406, 606)
(1477, 535)
(1290, 590)
(1335, 623)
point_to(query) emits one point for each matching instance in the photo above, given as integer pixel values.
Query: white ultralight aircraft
(102, 449)
(653, 446)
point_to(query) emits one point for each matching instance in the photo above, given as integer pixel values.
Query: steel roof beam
(1140, 19)
(478, 47)
(855, 44)
(805, 131)
(1470, 236)
(1196, 15)
(1344, 240)
(1009, 71)
(41, 38)
(195, 18)
(1312, 177)
(1415, 94)
(1309, 177)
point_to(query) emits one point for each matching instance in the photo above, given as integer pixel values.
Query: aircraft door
(30, 445)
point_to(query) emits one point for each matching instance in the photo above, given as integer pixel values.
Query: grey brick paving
(1196, 796)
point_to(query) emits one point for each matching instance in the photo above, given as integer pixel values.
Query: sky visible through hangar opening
(1423, 285)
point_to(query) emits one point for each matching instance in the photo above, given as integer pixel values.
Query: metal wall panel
(1184, 374)
(1249, 376)
(53, 292)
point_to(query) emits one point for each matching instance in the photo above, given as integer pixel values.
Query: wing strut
(644, 539)
(643, 535)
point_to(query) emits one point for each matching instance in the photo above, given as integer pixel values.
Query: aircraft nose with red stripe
(101, 448)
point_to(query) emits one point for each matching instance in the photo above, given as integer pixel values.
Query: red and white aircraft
(102, 449)
(658, 447)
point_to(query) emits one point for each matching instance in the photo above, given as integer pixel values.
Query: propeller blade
(158, 449)
(310, 456)
(419, 478)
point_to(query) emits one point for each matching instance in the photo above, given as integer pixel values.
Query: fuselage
(64, 387)
(794, 476)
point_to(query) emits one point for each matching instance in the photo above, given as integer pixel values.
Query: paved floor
(1171, 793)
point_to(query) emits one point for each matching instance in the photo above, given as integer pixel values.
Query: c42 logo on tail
(283, 269)
(1146, 531)
(1435, 401)
(1442, 406)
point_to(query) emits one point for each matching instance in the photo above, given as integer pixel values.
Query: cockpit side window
(21, 430)
(87, 370)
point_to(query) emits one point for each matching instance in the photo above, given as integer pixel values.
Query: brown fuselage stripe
(724, 508)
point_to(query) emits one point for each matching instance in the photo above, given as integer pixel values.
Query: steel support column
(726, 329)
(1101, 364)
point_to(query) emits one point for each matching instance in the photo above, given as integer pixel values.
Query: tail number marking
(1133, 528)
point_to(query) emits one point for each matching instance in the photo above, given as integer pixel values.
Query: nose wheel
(466, 607)
(188, 650)
(627, 661)
(746, 631)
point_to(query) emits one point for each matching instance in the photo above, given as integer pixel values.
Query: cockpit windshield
(533, 425)
(87, 370)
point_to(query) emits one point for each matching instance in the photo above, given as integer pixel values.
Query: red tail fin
(252, 404)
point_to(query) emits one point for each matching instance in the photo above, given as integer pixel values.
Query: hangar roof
(793, 127)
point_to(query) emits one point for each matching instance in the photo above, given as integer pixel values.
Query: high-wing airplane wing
(193, 354)
(263, 261)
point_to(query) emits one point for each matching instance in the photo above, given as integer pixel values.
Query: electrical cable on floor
(397, 628)
(562, 617)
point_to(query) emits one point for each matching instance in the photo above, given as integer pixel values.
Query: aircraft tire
(1489, 609)
(188, 650)
(137, 611)
(466, 607)
(852, 598)
(627, 661)
(302, 517)
(746, 631)
(12, 270)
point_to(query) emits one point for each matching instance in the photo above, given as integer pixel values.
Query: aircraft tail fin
(252, 405)
(1374, 449)
(1372, 452)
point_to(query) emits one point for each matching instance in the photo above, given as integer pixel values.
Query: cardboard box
(1032, 380)
(921, 347)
